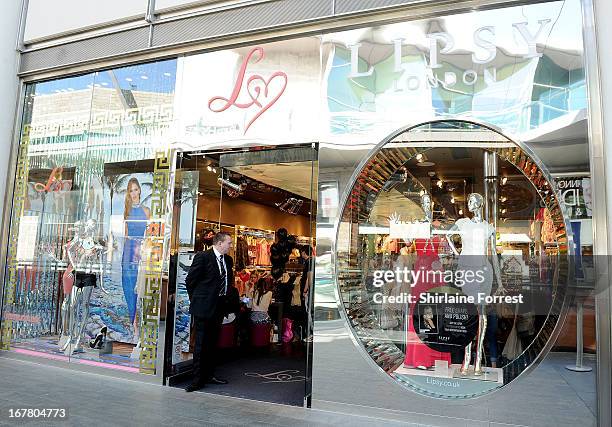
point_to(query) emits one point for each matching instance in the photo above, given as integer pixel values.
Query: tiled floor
(93, 399)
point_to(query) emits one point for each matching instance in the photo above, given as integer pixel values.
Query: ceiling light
(167, 74)
(452, 199)
(440, 183)
(209, 168)
(214, 170)
(503, 199)
(460, 211)
(504, 180)
(144, 77)
(104, 84)
(503, 211)
(419, 157)
(128, 79)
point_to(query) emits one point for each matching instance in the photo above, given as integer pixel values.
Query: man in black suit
(208, 281)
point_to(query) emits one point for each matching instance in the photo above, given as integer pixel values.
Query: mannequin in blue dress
(136, 219)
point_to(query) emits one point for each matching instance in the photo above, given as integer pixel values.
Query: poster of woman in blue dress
(136, 218)
(124, 219)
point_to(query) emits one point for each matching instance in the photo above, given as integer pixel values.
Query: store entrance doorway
(265, 199)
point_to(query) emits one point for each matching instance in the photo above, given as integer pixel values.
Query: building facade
(445, 162)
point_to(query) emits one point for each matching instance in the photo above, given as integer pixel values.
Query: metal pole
(490, 187)
(579, 367)
(486, 166)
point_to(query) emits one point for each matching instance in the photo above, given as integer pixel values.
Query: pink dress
(417, 353)
(263, 253)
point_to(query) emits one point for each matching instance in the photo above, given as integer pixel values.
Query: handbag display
(513, 347)
(525, 323)
(388, 319)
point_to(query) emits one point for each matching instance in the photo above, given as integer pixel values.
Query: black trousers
(205, 351)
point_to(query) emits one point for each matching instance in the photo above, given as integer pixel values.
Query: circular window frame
(560, 304)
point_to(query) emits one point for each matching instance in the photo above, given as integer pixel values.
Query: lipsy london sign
(484, 53)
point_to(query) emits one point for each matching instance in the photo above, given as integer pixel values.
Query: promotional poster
(126, 211)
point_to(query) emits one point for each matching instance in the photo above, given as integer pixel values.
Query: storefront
(440, 169)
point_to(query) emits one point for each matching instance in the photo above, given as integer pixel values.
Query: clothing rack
(254, 258)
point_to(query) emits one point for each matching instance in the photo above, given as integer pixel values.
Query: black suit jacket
(204, 283)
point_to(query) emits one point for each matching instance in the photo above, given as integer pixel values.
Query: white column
(10, 12)
(603, 31)
(601, 114)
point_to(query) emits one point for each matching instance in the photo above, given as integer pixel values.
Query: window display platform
(452, 371)
(449, 381)
(47, 347)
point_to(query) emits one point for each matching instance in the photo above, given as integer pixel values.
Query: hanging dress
(417, 353)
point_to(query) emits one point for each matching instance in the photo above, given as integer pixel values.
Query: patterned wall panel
(19, 198)
(149, 332)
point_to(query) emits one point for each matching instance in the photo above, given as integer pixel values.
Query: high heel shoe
(98, 342)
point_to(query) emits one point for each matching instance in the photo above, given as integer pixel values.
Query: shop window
(84, 271)
(452, 259)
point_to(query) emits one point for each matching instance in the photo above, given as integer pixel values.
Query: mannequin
(476, 235)
(67, 284)
(85, 270)
(418, 354)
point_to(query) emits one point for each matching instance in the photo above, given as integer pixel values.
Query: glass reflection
(413, 245)
(87, 167)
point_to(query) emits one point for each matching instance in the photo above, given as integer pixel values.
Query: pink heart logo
(257, 87)
(262, 84)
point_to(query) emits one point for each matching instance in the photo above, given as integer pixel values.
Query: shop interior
(449, 175)
(265, 200)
